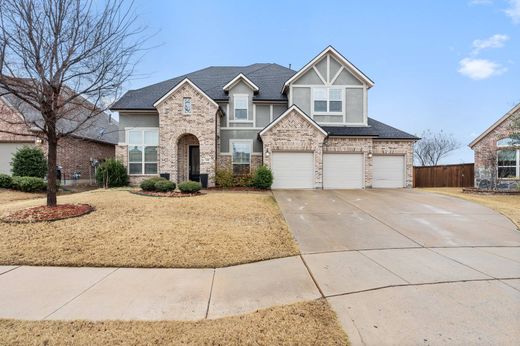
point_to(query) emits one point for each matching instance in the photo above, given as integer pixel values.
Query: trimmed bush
(164, 186)
(243, 180)
(149, 184)
(29, 162)
(5, 181)
(190, 187)
(111, 173)
(263, 178)
(29, 184)
(224, 178)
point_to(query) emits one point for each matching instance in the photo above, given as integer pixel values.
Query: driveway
(407, 267)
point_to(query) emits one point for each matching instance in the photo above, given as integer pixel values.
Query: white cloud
(514, 11)
(478, 69)
(495, 41)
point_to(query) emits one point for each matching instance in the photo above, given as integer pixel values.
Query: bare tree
(64, 59)
(434, 146)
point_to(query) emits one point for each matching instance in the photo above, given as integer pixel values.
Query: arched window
(509, 142)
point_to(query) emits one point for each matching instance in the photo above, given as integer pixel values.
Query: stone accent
(296, 133)
(485, 157)
(224, 161)
(182, 155)
(173, 125)
(395, 147)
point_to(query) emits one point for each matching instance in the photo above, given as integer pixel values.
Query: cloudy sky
(440, 65)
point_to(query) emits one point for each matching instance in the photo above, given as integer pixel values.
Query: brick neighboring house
(96, 141)
(497, 154)
(311, 127)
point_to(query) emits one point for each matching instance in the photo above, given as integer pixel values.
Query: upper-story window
(327, 100)
(241, 103)
(186, 105)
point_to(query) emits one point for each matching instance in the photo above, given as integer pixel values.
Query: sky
(450, 65)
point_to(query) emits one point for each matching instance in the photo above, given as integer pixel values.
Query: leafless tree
(434, 146)
(65, 59)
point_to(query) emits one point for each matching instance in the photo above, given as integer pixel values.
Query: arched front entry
(188, 154)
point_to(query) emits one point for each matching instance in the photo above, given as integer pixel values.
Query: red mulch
(167, 194)
(45, 213)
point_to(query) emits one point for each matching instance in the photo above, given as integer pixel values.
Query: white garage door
(292, 170)
(388, 171)
(342, 171)
(6, 154)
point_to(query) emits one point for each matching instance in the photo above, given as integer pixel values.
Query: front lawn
(128, 230)
(508, 205)
(308, 323)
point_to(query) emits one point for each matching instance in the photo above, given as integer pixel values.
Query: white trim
(254, 114)
(346, 86)
(246, 96)
(328, 88)
(271, 113)
(492, 127)
(181, 83)
(319, 75)
(341, 68)
(360, 75)
(328, 68)
(284, 114)
(227, 114)
(235, 80)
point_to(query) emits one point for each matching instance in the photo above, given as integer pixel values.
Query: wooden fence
(444, 176)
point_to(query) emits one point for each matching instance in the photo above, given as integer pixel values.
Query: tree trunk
(51, 171)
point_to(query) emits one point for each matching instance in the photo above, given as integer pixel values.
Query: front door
(194, 163)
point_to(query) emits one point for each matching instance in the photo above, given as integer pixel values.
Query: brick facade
(224, 161)
(295, 133)
(485, 157)
(174, 125)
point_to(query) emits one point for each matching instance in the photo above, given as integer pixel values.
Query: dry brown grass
(213, 230)
(7, 196)
(508, 205)
(308, 323)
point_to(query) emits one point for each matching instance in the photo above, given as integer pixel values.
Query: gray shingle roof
(375, 129)
(101, 128)
(268, 77)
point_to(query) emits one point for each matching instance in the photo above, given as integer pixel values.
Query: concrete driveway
(407, 267)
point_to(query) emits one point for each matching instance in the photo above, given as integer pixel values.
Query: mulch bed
(45, 213)
(174, 194)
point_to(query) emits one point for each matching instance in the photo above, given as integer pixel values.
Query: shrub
(164, 186)
(5, 181)
(29, 162)
(190, 187)
(224, 178)
(111, 173)
(149, 184)
(28, 184)
(263, 177)
(243, 180)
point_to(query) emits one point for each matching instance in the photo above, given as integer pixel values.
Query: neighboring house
(94, 141)
(497, 154)
(310, 127)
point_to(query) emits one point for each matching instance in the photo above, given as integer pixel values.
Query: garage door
(6, 153)
(342, 171)
(388, 171)
(293, 170)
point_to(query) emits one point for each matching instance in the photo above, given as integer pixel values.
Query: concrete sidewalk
(37, 293)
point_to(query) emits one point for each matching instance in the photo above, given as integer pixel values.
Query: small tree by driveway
(64, 59)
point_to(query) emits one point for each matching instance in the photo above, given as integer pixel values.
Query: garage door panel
(292, 170)
(388, 171)
(343, 171)
(6, 154)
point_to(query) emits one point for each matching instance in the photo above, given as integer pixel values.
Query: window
(241, 103)
(508, 142)
(142, 151)
(327, 100)
(186, 105)
(241, 157)
(508, 163)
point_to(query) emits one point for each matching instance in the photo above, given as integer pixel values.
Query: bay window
(241, 156)
(142, 151)
(327, 100)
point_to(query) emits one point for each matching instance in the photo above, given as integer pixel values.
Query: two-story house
(311, 127)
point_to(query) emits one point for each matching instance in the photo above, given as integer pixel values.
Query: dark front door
(194, 163)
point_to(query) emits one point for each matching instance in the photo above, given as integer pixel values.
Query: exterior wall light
(369, 155)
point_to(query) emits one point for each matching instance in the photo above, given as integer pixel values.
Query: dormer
(331, 90)
(241, 91)
(241, 78)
